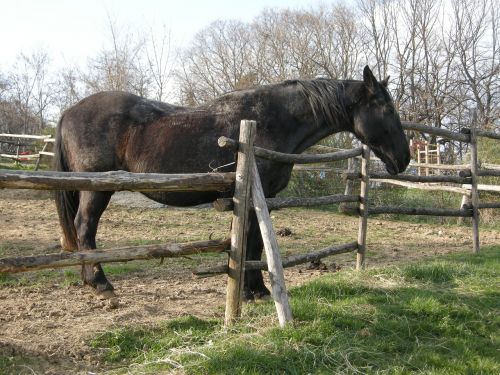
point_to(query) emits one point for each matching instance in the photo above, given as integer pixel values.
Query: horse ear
(369, 79)
(385, 82)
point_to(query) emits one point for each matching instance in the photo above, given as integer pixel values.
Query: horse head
(377, 124)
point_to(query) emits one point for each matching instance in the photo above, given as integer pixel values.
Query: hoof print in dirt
(113, 303)
(284, 232)
(334, 267)
(317, 265)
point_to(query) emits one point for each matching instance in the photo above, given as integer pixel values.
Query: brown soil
(51, 321)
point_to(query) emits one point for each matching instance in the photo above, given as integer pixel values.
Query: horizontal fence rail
(435, 131)
(413, 178)
(226, 204)
(295, 260)
(419, 211)
(489, 172)
(426, 186)
(115, 181)
(488, 134)
(489, 205)
(121, 254)
(26, 136)
(20, 157)
(464, 136)
(293, 158)
(458, 167)
(289, 261)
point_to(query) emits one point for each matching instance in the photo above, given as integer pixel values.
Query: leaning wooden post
(37, 165)
(239, 227)
(274, 264)
(474, 191)
(363, 208)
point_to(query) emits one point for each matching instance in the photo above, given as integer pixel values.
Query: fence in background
(18, 142)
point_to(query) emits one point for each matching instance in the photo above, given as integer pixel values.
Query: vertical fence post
(474, 191)
(343, 206)
(419, 160)
(239, 227)
(426, 158)
(363, 208)
(17, 152)
(274, 264)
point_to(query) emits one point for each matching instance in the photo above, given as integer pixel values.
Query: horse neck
(318, 122)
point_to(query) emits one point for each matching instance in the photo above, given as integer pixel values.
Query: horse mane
(325, 98)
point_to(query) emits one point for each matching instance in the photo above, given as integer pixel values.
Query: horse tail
(66, 201)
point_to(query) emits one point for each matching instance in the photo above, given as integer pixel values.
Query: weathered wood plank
(290, 261)
(121, 254)
(452, 167)
(115, 181)
(46, 153)
(413, 178)
(20, 157)
(226, 204)
(489, 205)
(420, 211)
(241, 199)
(488, 172)
(25, 136)
(363, 208)
(487, 134)
(295, 260)
(474, 191)
(436, 131)
(424, 186)
(293, 158)
(271, 249)
(483, 187)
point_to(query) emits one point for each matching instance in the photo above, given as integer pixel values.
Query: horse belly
(183, 199)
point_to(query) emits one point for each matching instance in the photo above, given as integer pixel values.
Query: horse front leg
(254, 288)
(91, 207)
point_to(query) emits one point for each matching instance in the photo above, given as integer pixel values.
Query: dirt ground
(51, 321)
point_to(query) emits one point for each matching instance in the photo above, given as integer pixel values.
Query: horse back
(95, 132)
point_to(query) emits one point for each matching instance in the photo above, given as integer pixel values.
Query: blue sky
(72, 30)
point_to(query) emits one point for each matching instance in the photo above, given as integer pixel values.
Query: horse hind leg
(91, 207)
(254, 288)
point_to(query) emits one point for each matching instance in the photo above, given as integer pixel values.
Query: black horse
(120, 131)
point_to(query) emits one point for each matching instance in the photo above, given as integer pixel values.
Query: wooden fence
(248, 195)
(19, 156)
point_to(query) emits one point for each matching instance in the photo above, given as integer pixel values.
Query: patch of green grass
(40, 278)
(119, 269)
(147, 343)
(71, 277)
(437, 317)
(436, 272)
(8, 279)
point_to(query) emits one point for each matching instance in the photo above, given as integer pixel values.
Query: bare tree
(69, 88)
(217, 61)
(119, 66)
(160, 62)
(31, 90)
(378, 15)
(474, 37)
